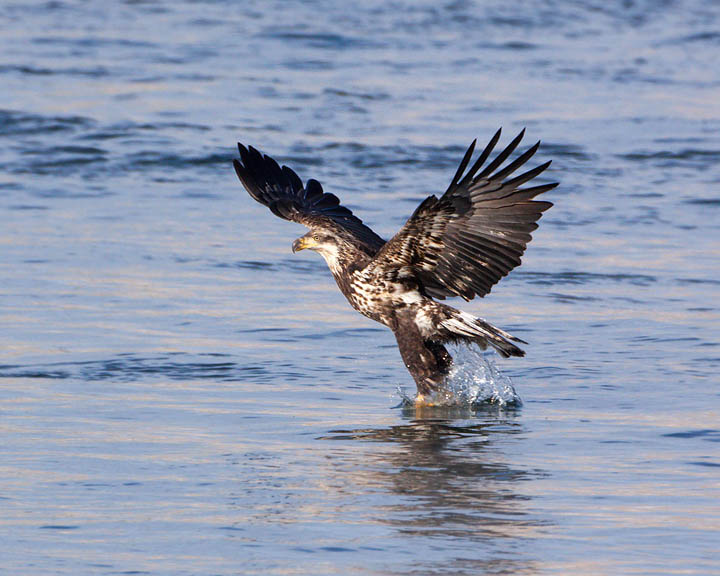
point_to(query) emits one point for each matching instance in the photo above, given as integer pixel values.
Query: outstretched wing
(281, 190)
(463, 243)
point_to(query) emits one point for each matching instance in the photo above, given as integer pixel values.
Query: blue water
(181, 395)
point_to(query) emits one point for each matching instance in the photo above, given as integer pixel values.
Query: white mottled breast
(376, 297)
(368, 296)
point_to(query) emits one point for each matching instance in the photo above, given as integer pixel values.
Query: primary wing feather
(463, 243)
(281, 190)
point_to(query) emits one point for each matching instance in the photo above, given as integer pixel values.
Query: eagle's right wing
(281, 190)
(463, 243)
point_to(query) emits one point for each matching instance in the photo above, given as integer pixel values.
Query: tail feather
(464, 326)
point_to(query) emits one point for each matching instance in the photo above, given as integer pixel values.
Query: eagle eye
(316, 237)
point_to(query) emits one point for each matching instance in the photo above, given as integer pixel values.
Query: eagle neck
(343, 263)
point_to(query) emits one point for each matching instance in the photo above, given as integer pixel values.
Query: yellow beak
(302, 243)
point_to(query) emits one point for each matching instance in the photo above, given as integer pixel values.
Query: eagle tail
(464, 327)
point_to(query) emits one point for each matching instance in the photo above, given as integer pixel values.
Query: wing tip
(543, 205)
(238, 168)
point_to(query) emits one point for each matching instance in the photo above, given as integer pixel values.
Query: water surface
(180, 394)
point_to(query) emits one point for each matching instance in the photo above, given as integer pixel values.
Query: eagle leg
(427, 361)
(442, 356)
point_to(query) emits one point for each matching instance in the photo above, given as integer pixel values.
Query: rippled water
(182, 395)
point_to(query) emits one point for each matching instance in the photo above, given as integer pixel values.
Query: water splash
(474, 379)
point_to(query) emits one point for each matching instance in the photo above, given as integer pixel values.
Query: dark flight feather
(281, 190)
(464, 248)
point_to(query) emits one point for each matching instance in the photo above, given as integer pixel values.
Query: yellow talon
(421, 401)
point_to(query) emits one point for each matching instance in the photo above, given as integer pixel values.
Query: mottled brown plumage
(460, 244)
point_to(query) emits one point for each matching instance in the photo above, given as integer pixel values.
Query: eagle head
(316, 240)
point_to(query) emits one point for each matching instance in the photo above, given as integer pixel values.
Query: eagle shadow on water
(460, 244)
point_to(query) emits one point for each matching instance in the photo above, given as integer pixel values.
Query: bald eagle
(460, 244)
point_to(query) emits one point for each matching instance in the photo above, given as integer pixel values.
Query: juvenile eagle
(460, 244)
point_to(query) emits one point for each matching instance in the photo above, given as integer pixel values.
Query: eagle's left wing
(463, 243)
(281, 190)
